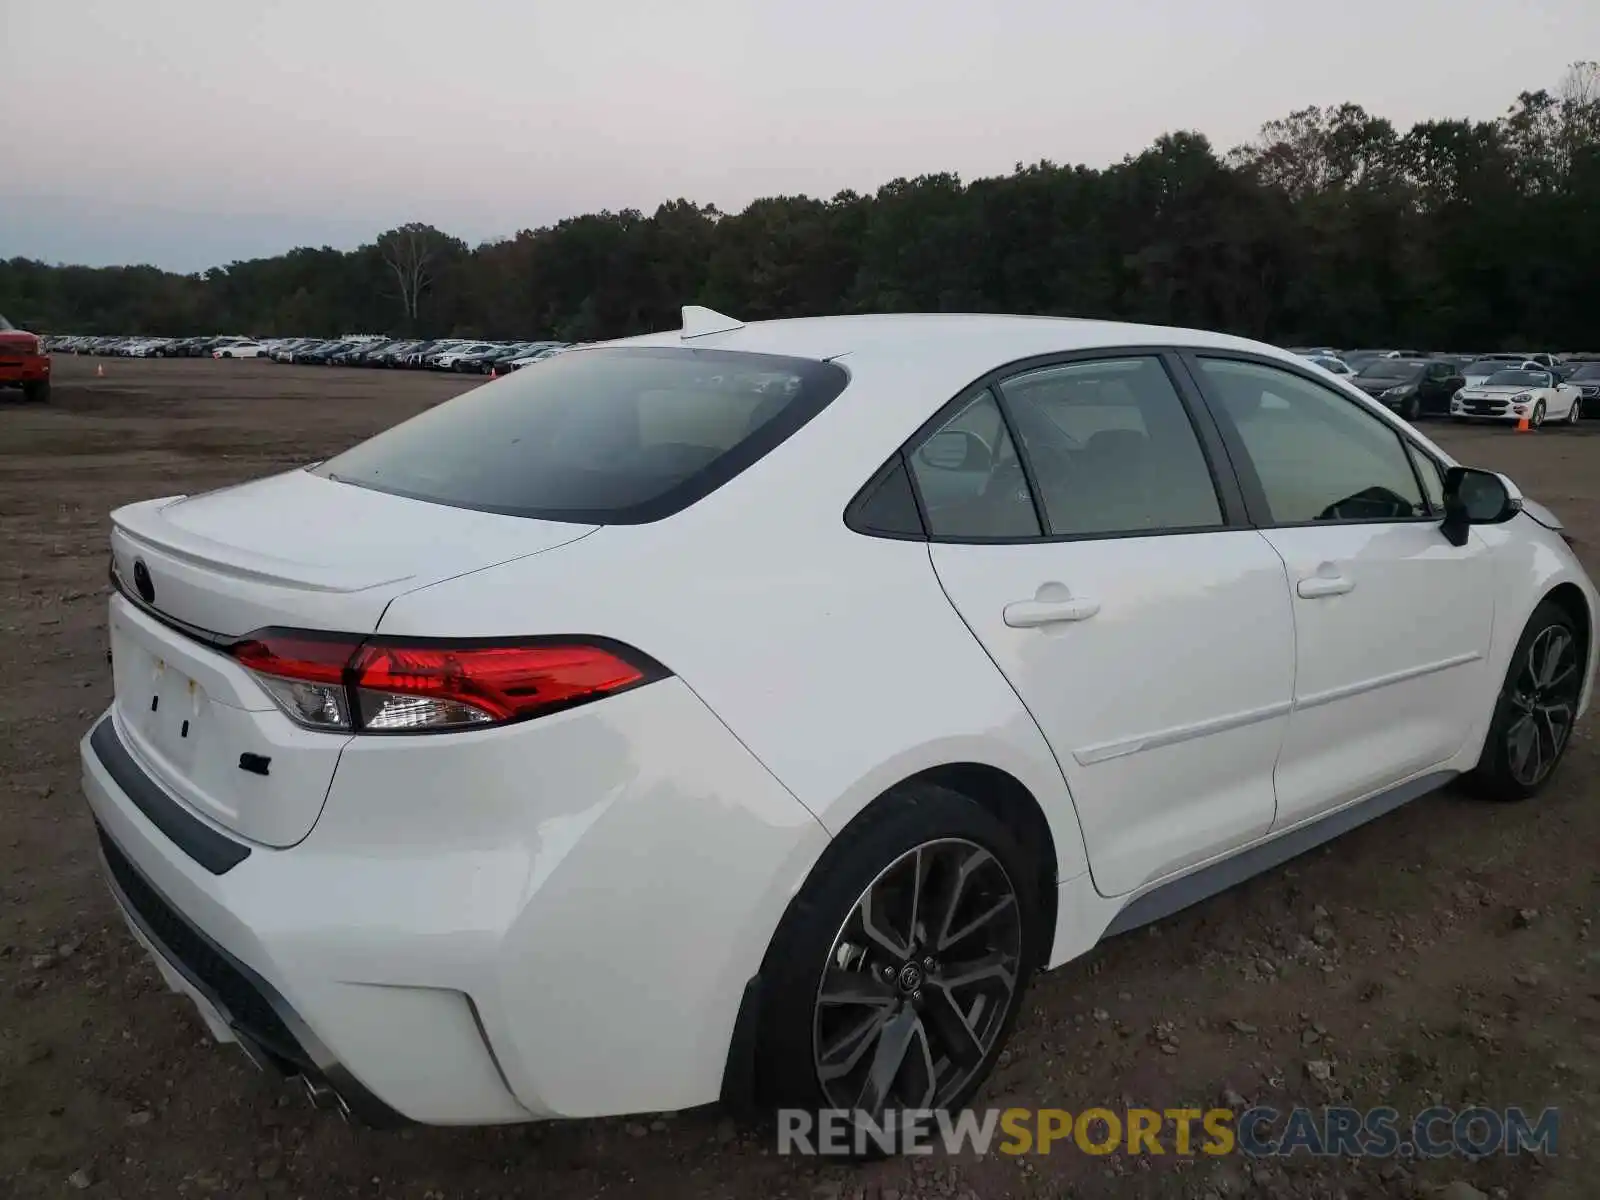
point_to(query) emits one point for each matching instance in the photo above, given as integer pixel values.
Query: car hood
(1499, 390)
(1542, 514)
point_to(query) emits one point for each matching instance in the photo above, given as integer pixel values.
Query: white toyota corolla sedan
(747, 711)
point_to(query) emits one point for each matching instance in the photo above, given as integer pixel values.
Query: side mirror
(1473, 497)
(955, 450)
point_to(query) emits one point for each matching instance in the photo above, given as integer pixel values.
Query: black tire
(37, 392)
(915, 820)
(1411, 408)
(1501, 771)
(1537, 419)
(1575, 413)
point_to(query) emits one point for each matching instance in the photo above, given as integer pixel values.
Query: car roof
(955, 344)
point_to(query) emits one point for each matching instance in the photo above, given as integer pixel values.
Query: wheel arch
(1008, 800)
(1000, 794)
(1570, 598)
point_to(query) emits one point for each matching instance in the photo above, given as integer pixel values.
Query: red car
(23, 362)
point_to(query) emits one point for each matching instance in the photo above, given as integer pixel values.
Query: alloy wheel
(919, 981)
(1544, 700)
(1575, 413)
(1538, 415)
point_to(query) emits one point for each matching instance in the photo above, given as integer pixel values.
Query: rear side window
(1112, 448)
(620, 435)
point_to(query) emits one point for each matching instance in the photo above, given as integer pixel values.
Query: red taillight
(289, 654)
(384, 685)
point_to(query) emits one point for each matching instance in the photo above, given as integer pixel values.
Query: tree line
(1331, 226)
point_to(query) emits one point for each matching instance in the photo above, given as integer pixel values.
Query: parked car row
(467, 355)
(1501, 386)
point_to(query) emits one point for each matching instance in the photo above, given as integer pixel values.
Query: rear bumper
(236, 1003)
(33, 368)
(553, 919)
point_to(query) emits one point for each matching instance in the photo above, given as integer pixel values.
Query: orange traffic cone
(494, 372)
(100, 370)
(1522, 425)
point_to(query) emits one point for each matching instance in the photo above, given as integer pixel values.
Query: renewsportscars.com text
(1258, 1132)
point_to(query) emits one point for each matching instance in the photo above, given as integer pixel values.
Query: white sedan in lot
(749, 711)
(1518, 394)
(239, 350)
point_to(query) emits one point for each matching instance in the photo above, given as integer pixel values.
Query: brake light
(389, 685)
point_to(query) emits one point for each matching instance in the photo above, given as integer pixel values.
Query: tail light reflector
(390, 685)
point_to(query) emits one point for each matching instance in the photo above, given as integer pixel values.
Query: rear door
(1107, 570)
(1392, 622)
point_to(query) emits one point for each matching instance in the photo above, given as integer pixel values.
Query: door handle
(1317, 586)
(1030, 614)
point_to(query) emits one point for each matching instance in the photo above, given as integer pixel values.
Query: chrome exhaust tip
(320, 1093)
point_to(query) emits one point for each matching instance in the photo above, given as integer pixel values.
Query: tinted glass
(623, 434)
(1587, 372)
(1486, 366)
(1391, 368)
(1111, 448)
(1318, 455)
(972, 485)
(889, 507)
(5, 325)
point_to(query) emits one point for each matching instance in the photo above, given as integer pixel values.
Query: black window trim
(854, 520)
(1214, 450)
(1255, 496)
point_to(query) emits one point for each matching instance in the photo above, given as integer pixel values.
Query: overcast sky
(193, 132)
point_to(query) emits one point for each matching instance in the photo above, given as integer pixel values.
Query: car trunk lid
(297, 550)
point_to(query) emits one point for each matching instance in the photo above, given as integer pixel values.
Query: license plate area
(169, 710)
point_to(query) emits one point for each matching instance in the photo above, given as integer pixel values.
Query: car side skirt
(1208, 881)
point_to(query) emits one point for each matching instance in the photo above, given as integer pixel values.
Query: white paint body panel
(558, 917)
(1169, 764)
(1386, 673)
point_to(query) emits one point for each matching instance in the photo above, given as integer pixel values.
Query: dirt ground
(1397, 955)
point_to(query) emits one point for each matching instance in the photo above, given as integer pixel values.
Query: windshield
(1517, 379)
(1391, 368)
(1486, 366)
(1587, 371)
(617, 435)
(5, 325)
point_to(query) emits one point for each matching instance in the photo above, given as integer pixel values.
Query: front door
(1392, 622)
(1150, 638)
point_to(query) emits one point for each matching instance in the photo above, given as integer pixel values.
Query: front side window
(1111, 448)
(1318, 455)
(618, 435)
(970, 480)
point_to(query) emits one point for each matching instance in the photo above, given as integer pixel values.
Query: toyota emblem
(142, 583)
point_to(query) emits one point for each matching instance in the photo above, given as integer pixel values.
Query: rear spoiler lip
(143, 528)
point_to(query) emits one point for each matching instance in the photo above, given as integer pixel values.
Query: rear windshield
(5, 325)
(619, 435)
